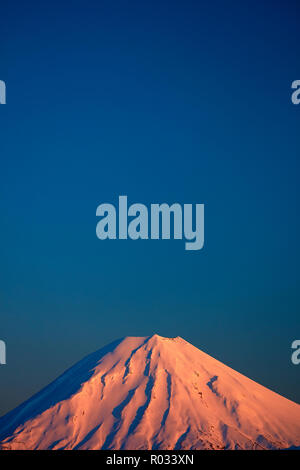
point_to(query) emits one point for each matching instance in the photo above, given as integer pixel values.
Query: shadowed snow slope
(152, 393)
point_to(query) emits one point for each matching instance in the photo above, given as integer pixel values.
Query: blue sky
(183, 102)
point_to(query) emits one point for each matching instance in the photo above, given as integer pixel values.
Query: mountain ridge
(152, 393)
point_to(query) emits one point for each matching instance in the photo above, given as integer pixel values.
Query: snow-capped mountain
(152, 393)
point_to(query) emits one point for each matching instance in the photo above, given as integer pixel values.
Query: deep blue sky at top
(178, 101)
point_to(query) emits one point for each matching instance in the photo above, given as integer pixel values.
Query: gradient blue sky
(166, 102)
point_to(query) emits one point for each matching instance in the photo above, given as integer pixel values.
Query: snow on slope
(152, 393)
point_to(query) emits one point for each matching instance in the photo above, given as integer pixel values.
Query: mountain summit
(152, 393)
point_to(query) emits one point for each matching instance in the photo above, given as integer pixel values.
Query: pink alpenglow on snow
(152, 393)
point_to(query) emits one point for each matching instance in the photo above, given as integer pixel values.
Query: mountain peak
(158, 338)
(152, 392)
(155, 335)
